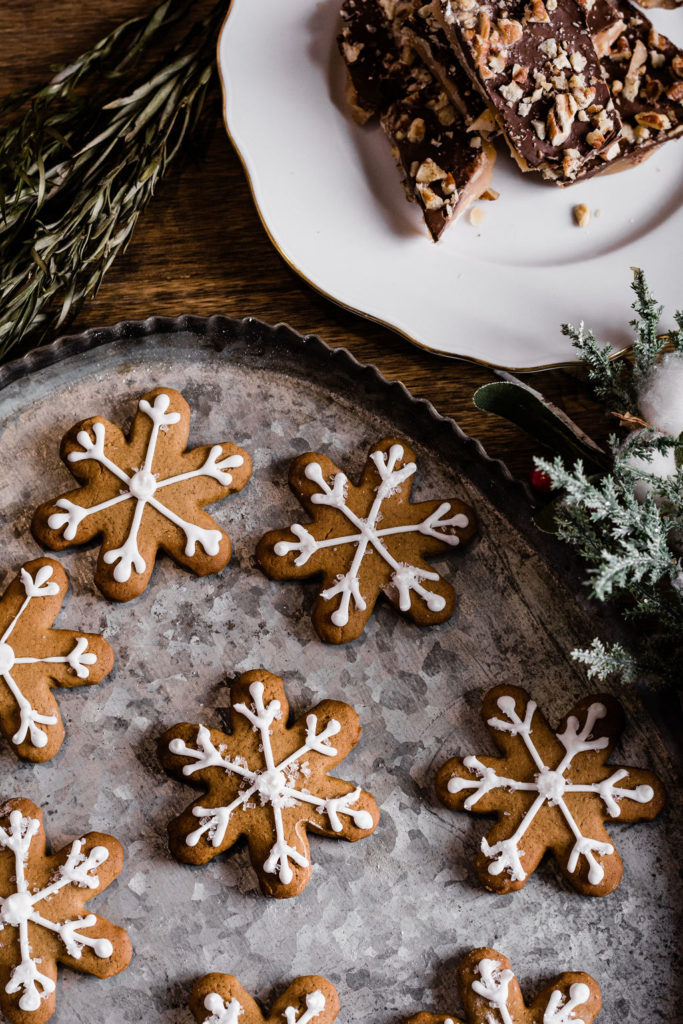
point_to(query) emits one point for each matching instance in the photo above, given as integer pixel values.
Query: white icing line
(559, 1011)
(222, 1012)
(141, 488)
(494, 987)
(270, 784)
(79, 660)
(405, 578)
(551, 785)
(18, 909)
(315, 1004)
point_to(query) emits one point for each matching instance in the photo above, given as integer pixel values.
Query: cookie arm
(310, 993)
(573, 995)
(88, 658)
(9, 1001)
(212, 988)
(106, 936)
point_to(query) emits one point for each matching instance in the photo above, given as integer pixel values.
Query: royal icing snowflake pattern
(549, 783)
(220, 999)
(34, 657)
(144, 493)
(266, 780)
(368, 540)
(31, 911)
(490, 994)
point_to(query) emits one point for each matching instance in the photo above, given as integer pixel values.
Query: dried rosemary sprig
(81, 158)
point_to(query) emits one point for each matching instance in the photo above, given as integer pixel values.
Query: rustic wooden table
(200, 248)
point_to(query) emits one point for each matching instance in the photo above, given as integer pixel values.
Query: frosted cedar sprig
(627, 523)
(79, 166)
(631, 542)
(616, 382)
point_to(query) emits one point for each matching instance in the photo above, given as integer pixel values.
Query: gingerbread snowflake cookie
(269, 782)
(367, 540)
(43, 917)
(220, 999)
(34, 657)
(490, 994)
(551, 791)
(143, 493)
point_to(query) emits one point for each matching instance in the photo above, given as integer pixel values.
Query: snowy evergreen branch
(617, 382)
(627, 524)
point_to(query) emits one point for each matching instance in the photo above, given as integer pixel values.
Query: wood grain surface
(200, 248)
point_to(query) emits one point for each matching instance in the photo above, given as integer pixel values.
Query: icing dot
(6, 658)
(103, 948)
(363, 819)
(551, 785)
(16, 908)
(315, 1001)
(271, 783)
(30, 1000)
(143, 484)
(579, 993)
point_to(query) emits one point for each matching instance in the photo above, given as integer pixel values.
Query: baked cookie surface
(367, 540)
(143, 493)
(267, 781)
(34, 658)
(43, 916)
(490, 994)
(220, 999)
(551, 791)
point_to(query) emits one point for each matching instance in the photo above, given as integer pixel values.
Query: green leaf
(525, 407)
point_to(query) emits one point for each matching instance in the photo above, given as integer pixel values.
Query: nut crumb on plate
(582, 215)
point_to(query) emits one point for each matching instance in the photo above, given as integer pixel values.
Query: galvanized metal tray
(386, 919)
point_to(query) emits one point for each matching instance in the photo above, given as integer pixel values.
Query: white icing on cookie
(494, 987)
(79, 660)
(405, 579)
(21, 907)
(315, 1004)
(561, 1011)
(275, 784)
(551, 785)
(143, 487)
(222, 1012)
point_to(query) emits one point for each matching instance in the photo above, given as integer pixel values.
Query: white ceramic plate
(329, 196)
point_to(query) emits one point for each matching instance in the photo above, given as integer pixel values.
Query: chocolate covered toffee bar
(372, 60)
(535, 65)
(644, 71)
(422, 31)
(443, 166)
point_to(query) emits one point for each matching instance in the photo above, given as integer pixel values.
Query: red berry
(540, 481)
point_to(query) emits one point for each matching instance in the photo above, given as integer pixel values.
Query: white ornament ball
(661, 400)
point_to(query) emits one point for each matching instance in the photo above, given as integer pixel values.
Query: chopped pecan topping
(509, 31)
(635, 71)
(561, 118)
(429, 198)
(602, 41)
(512, 93)
(536, 11)
(653, 119)
(429, 171)
(582, 215)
